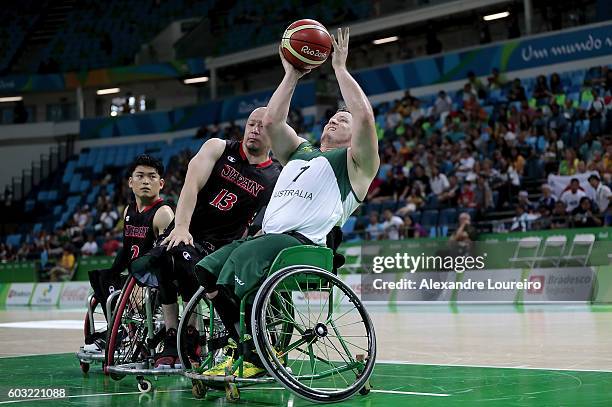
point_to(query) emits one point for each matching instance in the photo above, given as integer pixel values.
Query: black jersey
(236, 190)
(138, 232)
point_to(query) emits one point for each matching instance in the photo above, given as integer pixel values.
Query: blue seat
(449, 217)
(430, 218)
(349, 225)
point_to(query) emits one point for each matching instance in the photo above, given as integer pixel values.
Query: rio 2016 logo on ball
(306, 44)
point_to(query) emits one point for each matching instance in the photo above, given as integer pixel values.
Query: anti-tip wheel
(84, 367)
(198, 389)
(144, 386)
(231, 392)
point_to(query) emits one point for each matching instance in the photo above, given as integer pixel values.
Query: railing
(42, 168)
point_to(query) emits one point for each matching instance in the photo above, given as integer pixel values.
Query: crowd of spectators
(462, 151)
(477, 149)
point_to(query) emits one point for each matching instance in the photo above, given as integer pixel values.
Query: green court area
(395, 384)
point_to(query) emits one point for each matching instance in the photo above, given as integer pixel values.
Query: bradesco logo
(19, 293)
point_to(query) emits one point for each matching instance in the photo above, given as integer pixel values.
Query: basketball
(306, 44)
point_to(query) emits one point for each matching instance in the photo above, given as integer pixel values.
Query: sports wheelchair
(310, 331)
(136, 331)
(92, 330)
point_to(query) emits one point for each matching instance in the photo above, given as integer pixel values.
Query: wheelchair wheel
(197, 313)
(330, 352)
(129, 339)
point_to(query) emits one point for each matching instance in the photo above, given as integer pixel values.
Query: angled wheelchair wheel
(132, 337)
(329, 353)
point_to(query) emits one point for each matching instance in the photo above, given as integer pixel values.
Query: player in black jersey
(227, 183)
(146, 218)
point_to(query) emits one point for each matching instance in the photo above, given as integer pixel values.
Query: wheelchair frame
(319, 261)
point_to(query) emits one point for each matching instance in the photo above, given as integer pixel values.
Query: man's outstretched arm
(199, 170)
(284, 139)
(364, 143)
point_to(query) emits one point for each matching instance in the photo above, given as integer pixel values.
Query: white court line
(175, 391)
(71, 324)
(90, 395)
(402, 362)
(411, 393)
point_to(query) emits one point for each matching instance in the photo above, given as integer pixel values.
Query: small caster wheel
(365, 390)
(144, 386)
(198, 389)
(116, 376)
(231, 392)
(84, 367)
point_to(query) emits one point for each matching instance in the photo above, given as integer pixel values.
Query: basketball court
(428, 355)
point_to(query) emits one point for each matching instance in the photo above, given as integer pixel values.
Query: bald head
(255, 140)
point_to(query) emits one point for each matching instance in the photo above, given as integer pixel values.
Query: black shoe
(169, 354)
(192, 341)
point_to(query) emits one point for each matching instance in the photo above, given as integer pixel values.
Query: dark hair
(147, 161)
(575, 179)
(593, 176)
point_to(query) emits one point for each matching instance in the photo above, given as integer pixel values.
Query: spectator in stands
(547, 199)
(517, 91)
(411, 229)
(90, 248)
(544, 220)
(483, 196)
(602, 194)
(442, 104)
(438, 182)
(522, 220)
(466, 232)
(465, 164)
(4, 253)
(584, 216)
(64, 266)
(523, 200)
(374, 230)
(417, 111)
(466, 196)
(381, 190)
(111, 245)
(572, 196)
(451, 194)
(496, 80)
(559, 216)
(541, 92)
(477, 85)
(108, 218)
(556, 86)
(557, 120)
(569, 165)
(392, 225)
(401, 186)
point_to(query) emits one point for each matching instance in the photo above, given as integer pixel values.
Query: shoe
(192, 341)
(95, 343)
(251, 370)
(168, 356)
(220, 368)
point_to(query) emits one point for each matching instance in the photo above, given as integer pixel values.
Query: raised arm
(199, 170)
(364, 143)
(284, 139)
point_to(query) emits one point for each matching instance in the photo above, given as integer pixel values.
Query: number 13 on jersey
(224, 200)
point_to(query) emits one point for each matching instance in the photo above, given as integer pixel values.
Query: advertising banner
(46, 294)
(19, 293)
(74, 294)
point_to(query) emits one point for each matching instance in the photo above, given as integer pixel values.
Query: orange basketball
(306, 44)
